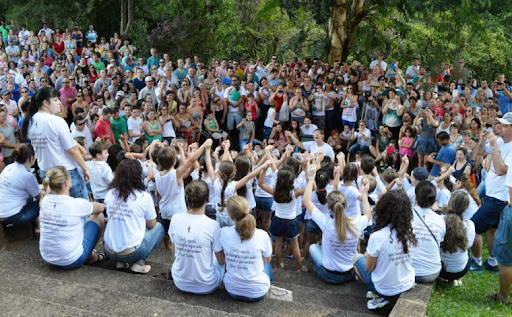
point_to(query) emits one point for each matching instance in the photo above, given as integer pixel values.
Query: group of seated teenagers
(226, 214)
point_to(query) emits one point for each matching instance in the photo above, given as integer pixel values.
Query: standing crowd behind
(233, 162)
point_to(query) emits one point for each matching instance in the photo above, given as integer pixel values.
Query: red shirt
(103, 128)
(58, 48)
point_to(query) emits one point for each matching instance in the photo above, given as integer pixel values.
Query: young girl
(465, 185)
(270, 120)
(252, 107)
(250, 281)
(333, 259)
(284, 223)
(386, 267)
(247, 130)
(459, 237)
(226, 187)
(346, 138)
(169, 183)
(406, 143)
(295, 129)
(279, 138)
(334, 141)
(350, 191)
(70, 227)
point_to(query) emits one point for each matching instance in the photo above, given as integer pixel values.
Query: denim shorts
(503, 240)
(210, 212)
(223, 219)
(285, 228)
(91, 236)
(312, 227)
(27, 214)
(78, 187)
(488, 215)
(300, 218)
(264, 203)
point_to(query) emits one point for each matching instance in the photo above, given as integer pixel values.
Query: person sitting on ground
(18, 188)
(386, 267)
(132, 231)
(196, 271)
(460, 234)
(70, 227)
(244, 243)
(426, 259)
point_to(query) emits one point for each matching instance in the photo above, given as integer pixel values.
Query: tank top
(212, 123)
(168, 129)
(460, 171)
(219, 93)
(154, 137)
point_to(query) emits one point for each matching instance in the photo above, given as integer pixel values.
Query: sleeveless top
(154, 137)
(392, 119)
(212, 123)
(460, 171)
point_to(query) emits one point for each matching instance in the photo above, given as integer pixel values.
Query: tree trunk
(126, 17)
(346, 17)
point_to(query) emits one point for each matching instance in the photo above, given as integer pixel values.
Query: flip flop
(495, 298)
(140, 269)
(166, 275)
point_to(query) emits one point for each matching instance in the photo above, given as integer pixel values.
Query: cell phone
(281, 91)
(393, 66)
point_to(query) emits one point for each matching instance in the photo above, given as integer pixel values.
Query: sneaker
(370, 295)
(475, 268)
(377, 302)
(289, 257)
(492, 268)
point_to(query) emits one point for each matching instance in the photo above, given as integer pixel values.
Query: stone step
(21, 306)
(97, 300)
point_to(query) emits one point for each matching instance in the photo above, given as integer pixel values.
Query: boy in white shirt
(134, 125)
(101, 173)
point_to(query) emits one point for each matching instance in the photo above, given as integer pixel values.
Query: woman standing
(251, 281)
(18, 188)
(52, 140)
(152, 127)
(298, 106)
(426, 126)
(167, 123)
(132, 231)
(349, 107)
(393, 112)
(70, 227)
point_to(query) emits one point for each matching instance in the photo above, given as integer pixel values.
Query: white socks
(479, 260)
(492, 261)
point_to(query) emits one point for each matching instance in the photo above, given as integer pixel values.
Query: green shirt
(119, 127)
(5, 32)
(98, 66)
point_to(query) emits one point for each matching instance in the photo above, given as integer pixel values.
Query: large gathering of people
(373, 173)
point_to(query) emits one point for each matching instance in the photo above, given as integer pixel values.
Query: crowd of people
(232, 162)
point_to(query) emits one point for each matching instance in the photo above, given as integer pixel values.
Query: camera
(367, 94)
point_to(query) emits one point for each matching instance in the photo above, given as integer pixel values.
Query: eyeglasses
(72, 79)
(79, 95)
(80, 124)
(162, 62)
(184, 84)
(65, 82)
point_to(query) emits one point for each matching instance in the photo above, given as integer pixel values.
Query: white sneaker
(377, 302)
(370, 295)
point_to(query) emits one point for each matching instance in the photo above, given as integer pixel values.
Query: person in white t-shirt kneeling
(248, 254)
(386, 267)
(333, 259)
(132, 231)
(195, 238)
(70, 227)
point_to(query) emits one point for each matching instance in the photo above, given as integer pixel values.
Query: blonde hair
(337, 202)
(55, 178)
(240, 210)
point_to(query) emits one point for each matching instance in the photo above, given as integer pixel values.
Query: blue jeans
(243, 142)
(78, 188)
(365, 275)
(27, 214)
(358, 147)
(91, 236)
(152, 239)
(233, 119)
(268, 270)
(427, 278)
(315, 251)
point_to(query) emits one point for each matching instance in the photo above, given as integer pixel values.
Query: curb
(414, 302)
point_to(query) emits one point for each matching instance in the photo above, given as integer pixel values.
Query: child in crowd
(101, 173)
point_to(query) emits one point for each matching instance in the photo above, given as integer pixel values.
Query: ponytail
(468, 185)
(22, 153)
(226, 173)
(36, 102)
(54, 180)
(240, 210)
(336, 201)
(321, 180)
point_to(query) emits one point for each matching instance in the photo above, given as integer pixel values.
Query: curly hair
(394, 209)
(127, 179)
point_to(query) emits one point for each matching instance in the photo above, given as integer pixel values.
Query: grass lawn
(468, 299)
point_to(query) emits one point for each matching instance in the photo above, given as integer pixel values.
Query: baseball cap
(5, 92)
(506, 119)
(148, 78)
(119, 94)
(420, 173)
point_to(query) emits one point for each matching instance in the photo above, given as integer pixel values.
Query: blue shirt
(226, 81)
(446, 155)
(504, 103)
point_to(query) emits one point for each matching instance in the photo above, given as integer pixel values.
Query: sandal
(101, 256)
(122, 266)
(140, 269)
(166, 275)
(496, 298)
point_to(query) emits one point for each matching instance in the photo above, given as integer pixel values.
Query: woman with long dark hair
(52, 141)
(132, 231)
(386, 267)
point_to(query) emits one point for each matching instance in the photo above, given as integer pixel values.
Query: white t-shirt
(315, 148)
(134, 125)
(321, 207)
(472, 208)
(101, 177)
(367, 133)
(268, 122)
(308, 131)
(172, 199)
(229, 192)
(269, 181)
(426, 259)
(126, 228)
(335, 255)
(508, 178)
(62, 228)
(195, 238)
(393, 273)
(499, 190)
(375, 63)
(300, 183)
(249, 194)
(11, 106)
(245, 274)
(51, 140)
(17, 185)
(456, 262)
(286, 210)
(86, 133)
(411, 72)
(353, 204)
